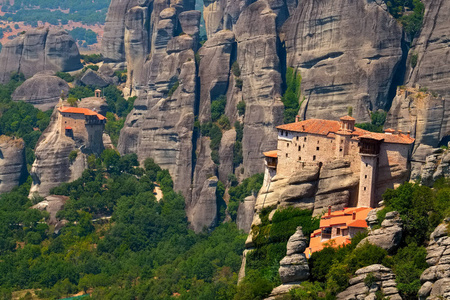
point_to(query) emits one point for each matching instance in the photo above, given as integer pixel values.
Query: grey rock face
(389, 235)
(384, 280)
(38, 50)
(203, 213)
(43, 90)
(294, 266)
(258, 60)
(436, 165)
(245, 213)
(432, 69)
(343, 60)
(226, 154)
(12, 163)
(436, 279)
(91, 77)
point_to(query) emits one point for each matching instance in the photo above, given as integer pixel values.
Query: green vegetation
(32, 11)
(237, 149)
(173, 88)
(83, 36)
(146, 248)
(122, 75)
(21, 119)
(377, 121)
(413, 61)
(270, 239)
(218, 107)
(92, 58)
(65, 76)
(249, 186)
(213, 131)
(73, 155)
(291, 96)
(409, 12)
(235, 69)
(241, 107)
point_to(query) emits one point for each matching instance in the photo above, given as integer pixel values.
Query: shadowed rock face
(344, 59)
(432, 69)
(38, 50)
(43, 90)
(12, 163)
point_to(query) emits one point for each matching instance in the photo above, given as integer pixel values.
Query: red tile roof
(358, 223)
(68, 128)
(84, 111)
(348, 118)
(272, 153)
(329, 127)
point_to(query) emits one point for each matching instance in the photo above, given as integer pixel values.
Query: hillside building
(83, 125)
(338, 228)
(380, 159)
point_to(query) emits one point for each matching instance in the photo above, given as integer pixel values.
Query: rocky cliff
(52, 165)
(12, 163)
(436, 279)
(38, 50)
(347, 53)
(43, 90)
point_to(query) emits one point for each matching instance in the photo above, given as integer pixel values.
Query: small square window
(299, 148)
(304, 139)
(299, 158)
(287, 155)
(297, 139)
(317, 148)
(365, 176)
(340, 150)
(314, 157)
(287, 145)
(367, 164)
(364, 188)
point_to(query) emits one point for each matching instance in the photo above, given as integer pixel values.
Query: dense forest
(56, 12)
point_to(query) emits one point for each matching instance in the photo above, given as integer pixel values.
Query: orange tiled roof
(84, 111)
(348, 118)
(272, 153)
(358, 223)
(329, 127)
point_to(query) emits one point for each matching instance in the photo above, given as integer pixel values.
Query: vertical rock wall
(12, 163)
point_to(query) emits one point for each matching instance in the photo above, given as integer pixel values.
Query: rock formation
(245, 211)
(53, 204)
(435, 165)
(43, 90)
(313, 188)
(12, 163)
(38, 50)
(436, 279)
(431, 68)
(91, 77)
(389, 235)
(381, 279)
(293, 267)
(52, 166)
(341, 66)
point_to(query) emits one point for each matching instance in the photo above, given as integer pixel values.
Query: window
(287, 145)
(342, 141)
(286, 133)
(367, 164)
(338, 231)
(314, 157)
(304, 139)
(299, 148)
(317, 148)
(317, 142)
(297, 138)
(299, 158)
(287, 155)
(340, 150)
(364, 188)
(365, 176)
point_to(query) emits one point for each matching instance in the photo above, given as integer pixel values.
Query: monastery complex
(372, 155)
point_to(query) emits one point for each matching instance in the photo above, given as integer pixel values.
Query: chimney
(296, 118)
(329, 209)
(354, 216)
(409, 133)
(399, 132)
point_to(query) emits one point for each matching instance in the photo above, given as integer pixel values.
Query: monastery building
(378, 158)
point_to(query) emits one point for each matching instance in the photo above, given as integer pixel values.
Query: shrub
(72, 101)
(215, 157)
(218, 107)
(291, 96)
(235, 69)
(173, 88)
(65, 76)
(239, 131)
(413, 61)
(224, 122)
(241, 107)
(73, 155)
(238, 83)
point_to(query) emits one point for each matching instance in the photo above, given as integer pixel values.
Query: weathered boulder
(430, 50)
(53, 204)
(341, 66)
(294, 266)
(38, 50)
(436, 279)
(436, 165)
(13, 169)
(226, 151)
(43, 90)
(389, 235)
(382, 279)
(91, 77)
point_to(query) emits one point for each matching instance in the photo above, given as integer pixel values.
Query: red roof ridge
(81, 110)
(272, 153)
